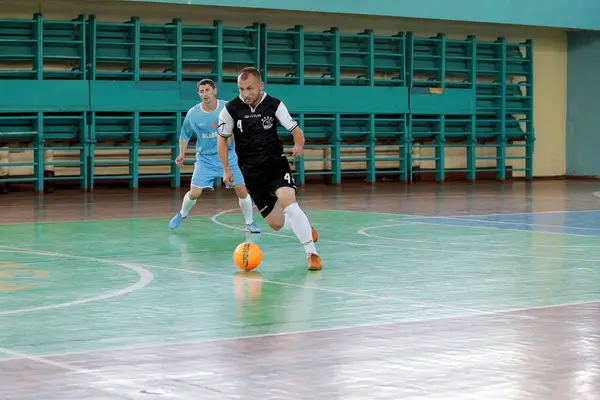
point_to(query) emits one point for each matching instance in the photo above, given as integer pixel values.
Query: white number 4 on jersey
(289, 178)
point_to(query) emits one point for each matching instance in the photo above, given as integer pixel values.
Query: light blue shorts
(206, 172)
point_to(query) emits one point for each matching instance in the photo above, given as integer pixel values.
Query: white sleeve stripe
(284, 117)
(225, 128)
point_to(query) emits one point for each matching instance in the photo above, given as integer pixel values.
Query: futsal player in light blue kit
(201, 121)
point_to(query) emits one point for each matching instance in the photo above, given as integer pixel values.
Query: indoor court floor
(455, 291)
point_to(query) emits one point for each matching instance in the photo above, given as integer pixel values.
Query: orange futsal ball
(247, 256)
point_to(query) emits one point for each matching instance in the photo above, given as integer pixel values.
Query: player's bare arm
(225, 132)
(298, 142)
(223, 151)
(289, 123)
(184, 139)
(183, 144)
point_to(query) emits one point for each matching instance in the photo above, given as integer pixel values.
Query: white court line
(408, 218)
(398, 222)
(145, 279)
(316, 330)
(462, 215)
(469, 218)
(44, 360)
(525, 213)
(363, 231)
(215, 220)
(440, 223)
(317, 199)
(103, 384)
(406, 320)
(41, 359)
(228, 276)
(471, 311)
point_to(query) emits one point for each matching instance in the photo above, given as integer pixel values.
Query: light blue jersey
(208, 167)
(203, 125)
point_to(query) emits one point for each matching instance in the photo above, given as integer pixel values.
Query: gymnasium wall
(550, 49)
(583, 118)
(580, 14)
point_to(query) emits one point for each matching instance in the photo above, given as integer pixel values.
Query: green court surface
(70, 287)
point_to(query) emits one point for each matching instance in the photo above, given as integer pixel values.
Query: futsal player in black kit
(252, 120)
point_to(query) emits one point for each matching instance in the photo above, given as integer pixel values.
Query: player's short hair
(250, 71)
(206, 81)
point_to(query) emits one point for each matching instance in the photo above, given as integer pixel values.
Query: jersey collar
(262, 97)
(208, 112)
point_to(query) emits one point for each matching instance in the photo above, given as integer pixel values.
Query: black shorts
(262, 185)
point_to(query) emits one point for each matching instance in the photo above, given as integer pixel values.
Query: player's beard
(256, 100)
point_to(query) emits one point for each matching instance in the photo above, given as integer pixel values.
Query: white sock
(246, 206)
(301, 227)
(187, 204)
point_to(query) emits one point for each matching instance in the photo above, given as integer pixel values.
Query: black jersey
(257, 142)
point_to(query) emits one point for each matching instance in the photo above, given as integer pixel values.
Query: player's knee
(275, 219)
(275, 224)
(286, 196)
(195, 193)
(240, 191)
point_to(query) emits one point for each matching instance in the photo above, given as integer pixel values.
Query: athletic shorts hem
(205, 174)
(203, 187)
(262, 186)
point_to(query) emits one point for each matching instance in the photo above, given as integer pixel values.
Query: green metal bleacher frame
(503, 120)
(371, 106)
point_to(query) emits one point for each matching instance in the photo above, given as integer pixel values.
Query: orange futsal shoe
(314, 262)
(315, 235)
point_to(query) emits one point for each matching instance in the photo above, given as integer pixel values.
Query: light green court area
(92, 285)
